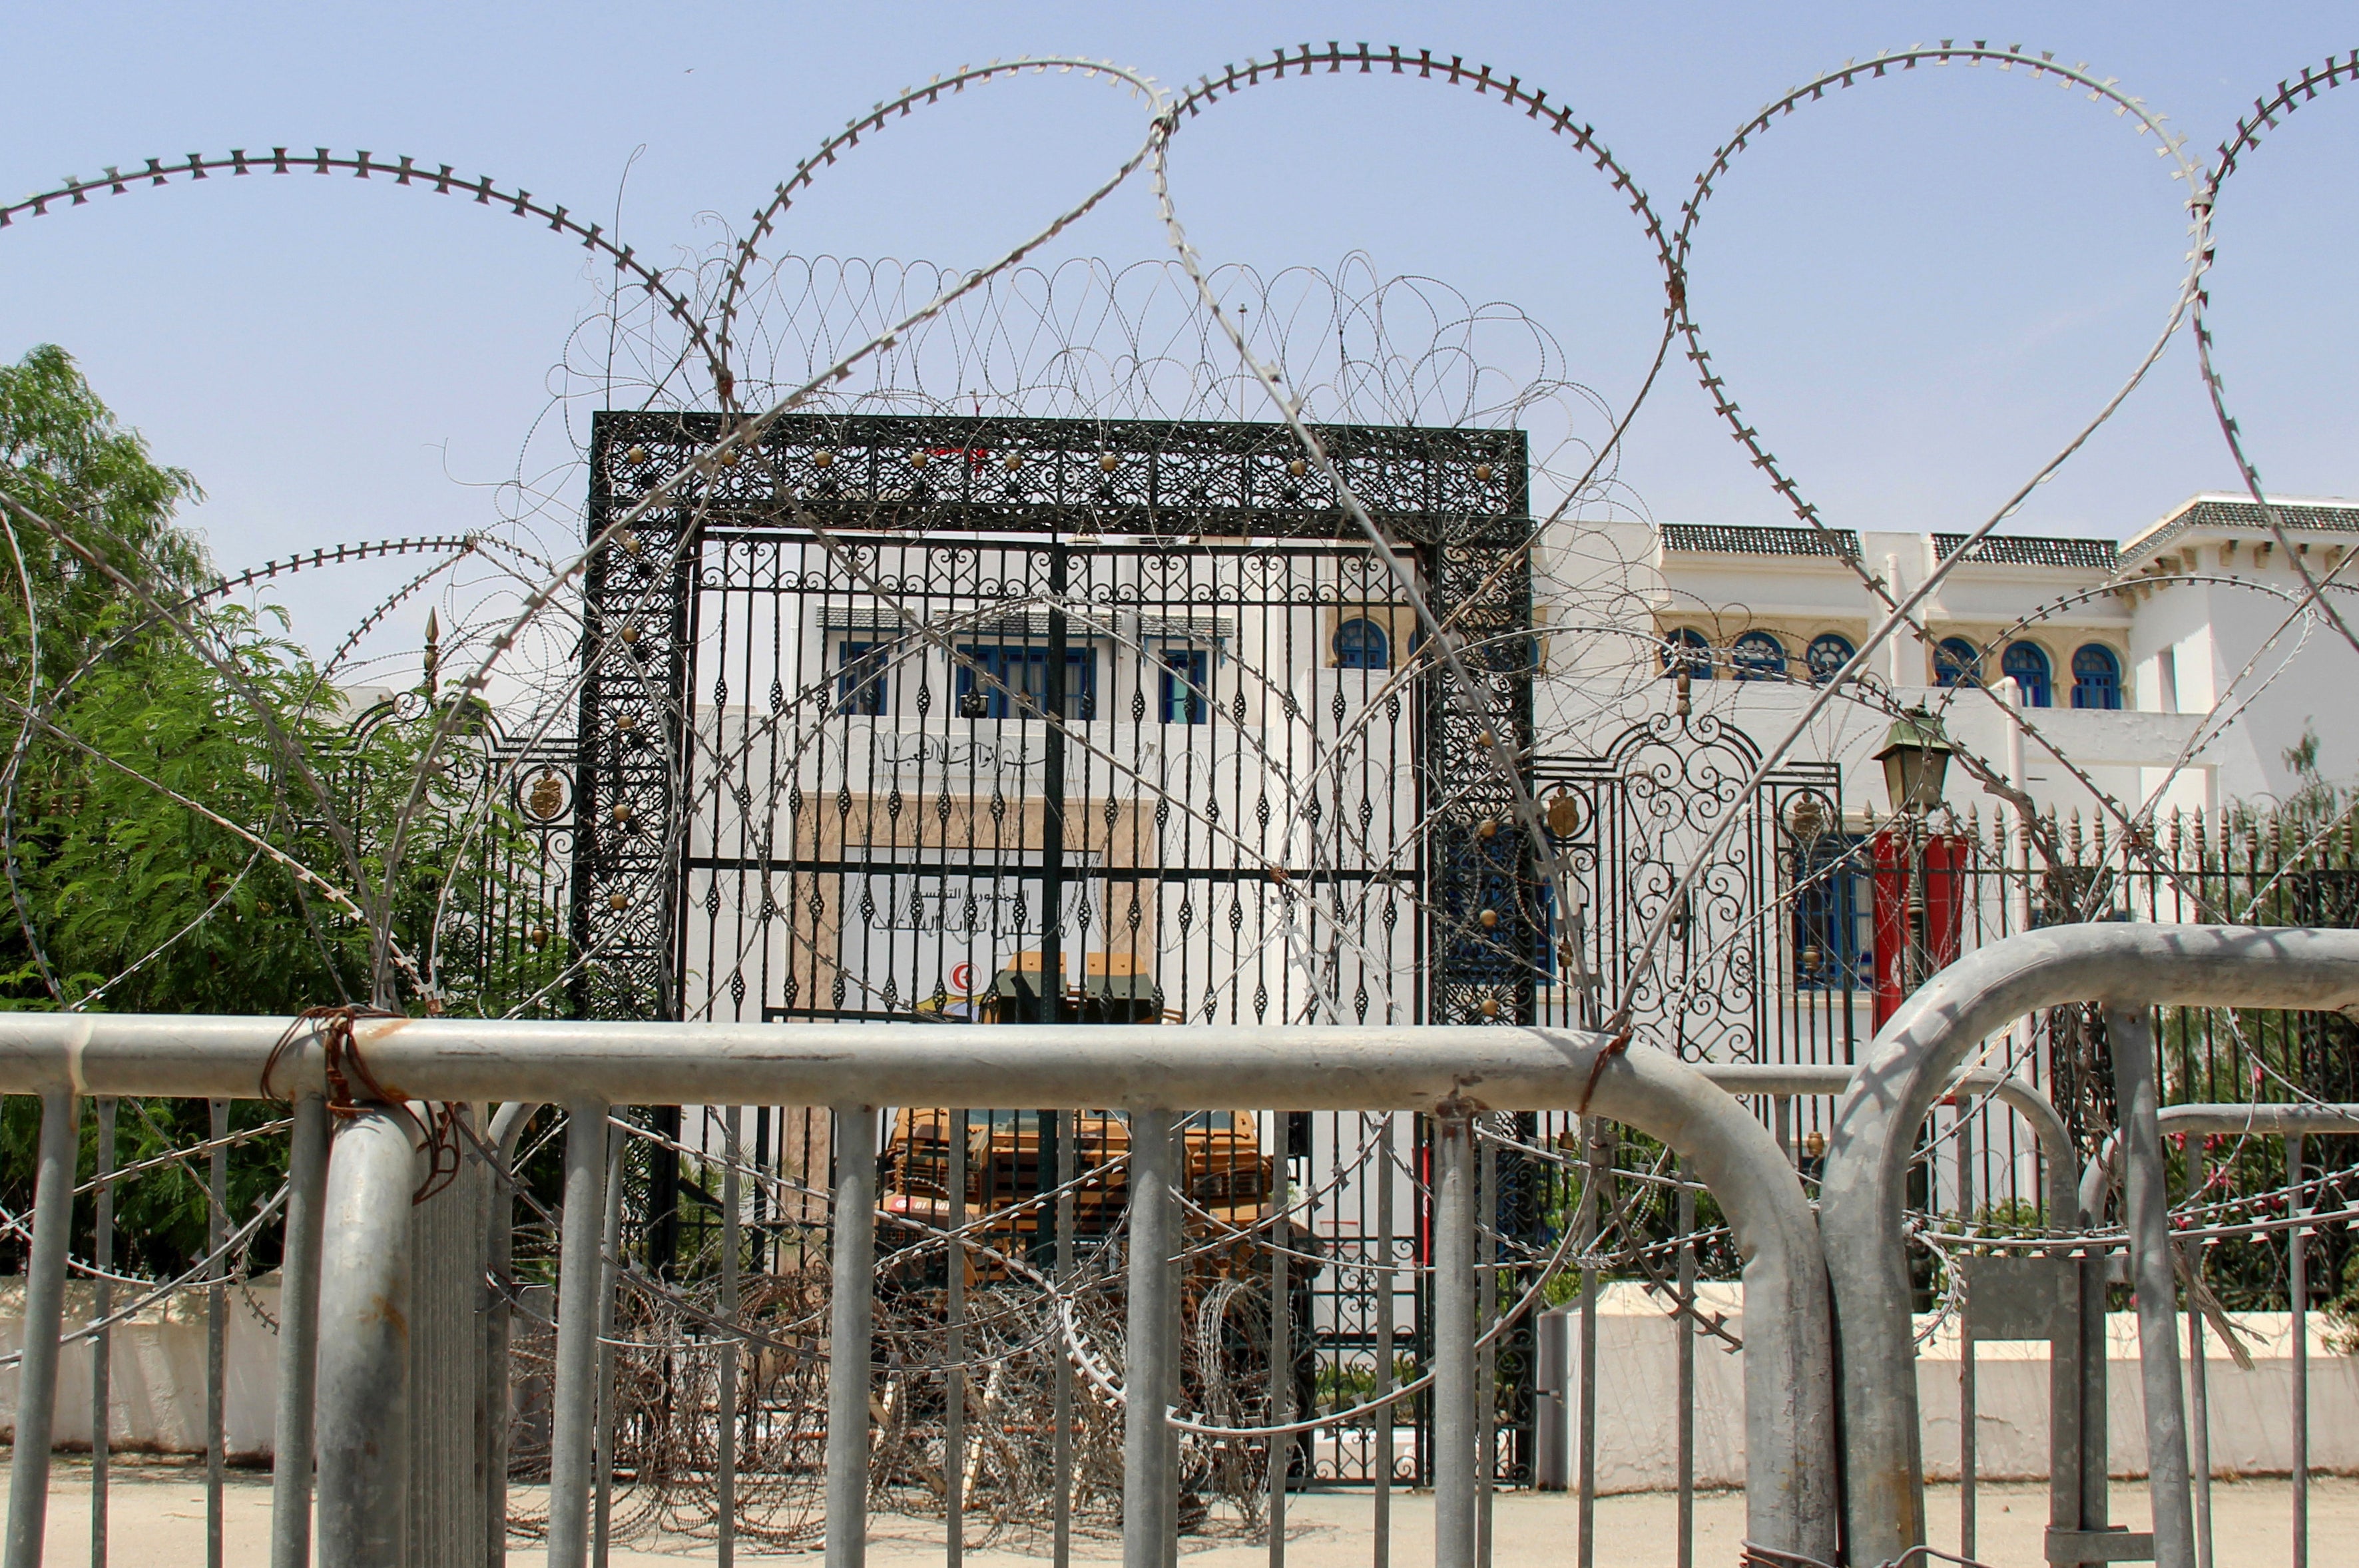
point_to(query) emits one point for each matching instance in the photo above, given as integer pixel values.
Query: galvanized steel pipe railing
(362, 1429)
(2138, 1098)
(2062, 1165)
(1148, 1354)
(2185, 1444)
(2265, 1119)
(2018, 1095)
(299, 1336)
(1912, 1063)
(503, 1134)
(852, 1268)
(45, 1301)
(602, 1424)
(1789, 1394)
(579, 1272)
(101, 1310)
(1455, 1406)
(724, 1402)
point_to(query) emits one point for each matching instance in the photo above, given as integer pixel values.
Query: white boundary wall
(1637, 1396)
(158, 1365)
(158, 1397)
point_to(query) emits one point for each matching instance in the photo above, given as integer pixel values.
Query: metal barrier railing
(2127, 969)
(350, 1242)
(1450, 1073)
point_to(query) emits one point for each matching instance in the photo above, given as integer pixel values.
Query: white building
(2177, 665)
(870, 833)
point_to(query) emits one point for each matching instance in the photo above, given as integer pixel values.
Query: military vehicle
(1011, 1155)
(1011, 1165)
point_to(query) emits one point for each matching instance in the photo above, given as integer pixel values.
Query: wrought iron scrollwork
(1457, 499)
(1640, 812)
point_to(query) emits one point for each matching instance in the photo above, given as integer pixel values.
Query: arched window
(861, 687)
(2026, 664)
(2097, 677)
(1757, 655)
(1957, 662)
(1828, 652)
(1361, 644)
(1689, 649)
(1184, 681)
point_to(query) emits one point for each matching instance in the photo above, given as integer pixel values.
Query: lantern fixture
(1916, 758)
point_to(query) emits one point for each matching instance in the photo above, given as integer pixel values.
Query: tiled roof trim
(2216, 514)
(2014, 550)
(860, 618)
(1217, 628)
(1733, 538)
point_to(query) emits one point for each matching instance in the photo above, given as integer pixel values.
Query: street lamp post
(1916, 757)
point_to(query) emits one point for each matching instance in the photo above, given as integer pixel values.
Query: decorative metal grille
(1719, 986)
(1143, 541)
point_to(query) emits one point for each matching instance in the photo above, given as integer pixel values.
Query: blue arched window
(2097, 677)
(2026, 664)
(860, 686)
(1184, 681)
(1828, 652)
(1957, 662)
(1689, 649)
(1757, 655)
(1361, 644)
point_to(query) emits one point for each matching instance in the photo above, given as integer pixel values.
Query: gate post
(631, 772)
(1051, 1002)
(1485, 886)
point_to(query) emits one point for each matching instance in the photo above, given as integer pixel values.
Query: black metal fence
(814, 784)
(1775, 959)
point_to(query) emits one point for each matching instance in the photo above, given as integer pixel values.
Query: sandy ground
(158, 1518)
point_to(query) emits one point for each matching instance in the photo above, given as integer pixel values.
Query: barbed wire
(759, 332)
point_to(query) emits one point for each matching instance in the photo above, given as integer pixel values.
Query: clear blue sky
(1916, 288)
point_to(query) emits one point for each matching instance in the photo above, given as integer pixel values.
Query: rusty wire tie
(344, 1066)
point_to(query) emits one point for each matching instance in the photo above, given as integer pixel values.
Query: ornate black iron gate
(1728, 982)
(950, 719)
(890, 831)
(816, 780)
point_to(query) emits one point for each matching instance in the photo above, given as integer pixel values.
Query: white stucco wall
(1584, 714)
(1637, 1403)
(2232, 643)
(157, 1371)
(2232, 657)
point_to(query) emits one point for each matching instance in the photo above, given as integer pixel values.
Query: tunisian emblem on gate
(545, 798)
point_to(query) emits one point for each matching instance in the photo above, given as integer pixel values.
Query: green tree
(161, 833)
(194, 819)
(115, 875)
(63, 457)
(195, 822)
(2316, 801)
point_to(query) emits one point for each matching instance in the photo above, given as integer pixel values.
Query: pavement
(156, 1519)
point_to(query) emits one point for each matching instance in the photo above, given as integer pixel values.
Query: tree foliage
(196, 825)
(64, 457)
(159, 734)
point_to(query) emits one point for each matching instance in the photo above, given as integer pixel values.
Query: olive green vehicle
(1012, 1158)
